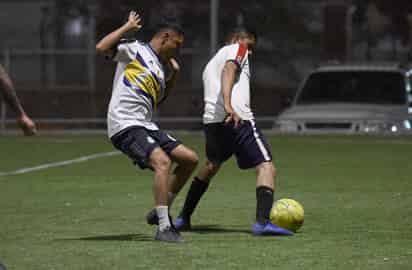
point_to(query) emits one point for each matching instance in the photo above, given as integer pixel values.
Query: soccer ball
(288, 214)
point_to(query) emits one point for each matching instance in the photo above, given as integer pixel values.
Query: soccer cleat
(182, 224)
(152, 218)
(269, 229)
(170, 234)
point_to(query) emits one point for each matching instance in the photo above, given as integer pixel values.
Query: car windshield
(372, 87)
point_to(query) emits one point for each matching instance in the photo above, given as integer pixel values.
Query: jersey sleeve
(238, 54)
(125, 52)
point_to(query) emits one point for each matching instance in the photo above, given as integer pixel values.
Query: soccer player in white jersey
(139, 85)
(230, 129)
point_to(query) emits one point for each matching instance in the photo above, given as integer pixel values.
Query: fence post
(6, 56)
(91, 59)
(214, 26)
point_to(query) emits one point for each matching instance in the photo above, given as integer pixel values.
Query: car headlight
(373, 127)
(407, 125)
(382, 127)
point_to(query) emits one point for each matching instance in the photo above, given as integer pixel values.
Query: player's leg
(197, 188)
(186, 161)
(265, 187)
(137, 143)
(254, 152)
(161, 164)
(208, 171)
(218, 150)
(266, 175)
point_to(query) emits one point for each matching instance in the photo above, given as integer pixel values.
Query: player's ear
(234, 40)
(165, 37)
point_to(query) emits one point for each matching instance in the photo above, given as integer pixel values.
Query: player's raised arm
(108, 43)
(229, 74)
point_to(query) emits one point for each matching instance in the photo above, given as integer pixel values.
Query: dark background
(294, 37)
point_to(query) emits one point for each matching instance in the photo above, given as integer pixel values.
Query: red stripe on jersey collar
(241, 52)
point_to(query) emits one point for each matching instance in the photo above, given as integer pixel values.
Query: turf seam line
(60, 163)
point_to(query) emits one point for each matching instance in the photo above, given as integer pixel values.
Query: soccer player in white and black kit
(230, 129)
(139, 85)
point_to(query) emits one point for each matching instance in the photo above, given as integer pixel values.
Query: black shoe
(170, 234)
(152, 218)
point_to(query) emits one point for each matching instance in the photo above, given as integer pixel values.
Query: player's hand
(174, 65)
(27, 125)
(133, 23)
(232, 116)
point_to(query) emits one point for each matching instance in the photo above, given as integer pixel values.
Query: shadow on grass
(200, 229)
(120, 237)
(214, 229)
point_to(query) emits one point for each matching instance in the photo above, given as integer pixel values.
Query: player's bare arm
(228, 80)
(108, 43)
(8, 92)
(171, 81)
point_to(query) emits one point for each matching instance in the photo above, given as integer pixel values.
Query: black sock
(196, 191)
(264, 198)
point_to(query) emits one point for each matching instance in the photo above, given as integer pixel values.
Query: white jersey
(138, 85)
(214, 111)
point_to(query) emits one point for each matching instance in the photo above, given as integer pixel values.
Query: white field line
(60, 163)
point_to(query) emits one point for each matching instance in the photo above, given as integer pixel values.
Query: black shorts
(246, 142)
(138, 143)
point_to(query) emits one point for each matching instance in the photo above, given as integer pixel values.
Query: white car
(351, 99)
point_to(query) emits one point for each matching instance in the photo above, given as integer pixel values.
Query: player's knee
(267, 168)
(192, 159)
(211, 167)
(273, 169)
(189, 159)
(161, 162)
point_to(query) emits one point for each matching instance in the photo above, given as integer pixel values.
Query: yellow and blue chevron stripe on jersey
(138, 76)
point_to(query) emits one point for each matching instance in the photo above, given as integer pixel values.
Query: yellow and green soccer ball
(288, 214)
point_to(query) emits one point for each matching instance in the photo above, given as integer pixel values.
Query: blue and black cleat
(182, 224)
(269, 229)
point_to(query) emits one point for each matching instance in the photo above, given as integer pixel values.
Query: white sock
(163, 214)
(171, 198)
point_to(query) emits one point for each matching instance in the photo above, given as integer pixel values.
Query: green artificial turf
(356, 191)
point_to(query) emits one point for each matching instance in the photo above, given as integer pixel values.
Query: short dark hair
(242, 30)
(169, 24)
